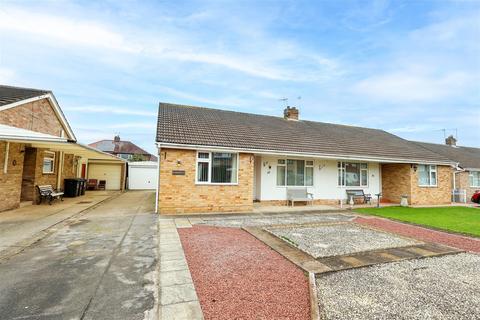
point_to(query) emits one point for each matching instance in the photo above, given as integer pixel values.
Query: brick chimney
(451, 141)
(290, 113)
(116, 138)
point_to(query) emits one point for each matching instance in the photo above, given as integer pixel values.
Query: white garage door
(109, 172)
(142, 177)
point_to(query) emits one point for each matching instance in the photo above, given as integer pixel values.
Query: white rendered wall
(325, 180)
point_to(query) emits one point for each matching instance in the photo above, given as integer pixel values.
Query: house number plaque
(178, 172)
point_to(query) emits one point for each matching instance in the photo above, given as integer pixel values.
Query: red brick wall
(37, 116)
(11, 182)
(179, 193)
(402, 179)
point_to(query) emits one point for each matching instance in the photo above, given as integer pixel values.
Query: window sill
(215, 184)
(48, 173)
(435, 186)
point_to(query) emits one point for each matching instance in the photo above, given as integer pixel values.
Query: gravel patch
(237, 276)
(432, 288)
(252, 221)
(424, 234)
(332, 240)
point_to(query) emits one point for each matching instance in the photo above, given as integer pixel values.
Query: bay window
(217, 167)
(352, 174)
(474, 177)
(292, 172)
(427, 175)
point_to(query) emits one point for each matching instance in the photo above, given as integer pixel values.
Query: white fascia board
(56, 108)
(25, 139)
(25, 101)
(299, 154)
(471, 169)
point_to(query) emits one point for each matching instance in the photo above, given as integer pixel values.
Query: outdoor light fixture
(414, 166)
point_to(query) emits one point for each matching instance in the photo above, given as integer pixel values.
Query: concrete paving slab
(183, 223)
(169, 278)
(182, 311)
(177, 293)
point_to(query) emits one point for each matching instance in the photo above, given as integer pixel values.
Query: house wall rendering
(325, 186)
(180, 193)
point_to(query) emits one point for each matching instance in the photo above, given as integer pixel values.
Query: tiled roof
(10, 94)
(117, 147)
(467, 157)
(189, 125)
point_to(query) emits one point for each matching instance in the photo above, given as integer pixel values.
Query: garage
(111, 173)
(142, 175)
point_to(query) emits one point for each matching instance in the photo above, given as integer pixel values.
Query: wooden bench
(358, 195)
(46, 192)
(298, 194)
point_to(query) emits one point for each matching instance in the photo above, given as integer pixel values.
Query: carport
(30, 158)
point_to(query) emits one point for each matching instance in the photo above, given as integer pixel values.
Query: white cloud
(265, 57)
(412, 86)
(111, 110)
(64, 30)
(135, 125)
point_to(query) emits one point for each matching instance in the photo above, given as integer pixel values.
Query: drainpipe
(7, 150)
(458, 170)
(157, 191)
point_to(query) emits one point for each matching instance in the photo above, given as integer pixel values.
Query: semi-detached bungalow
(223, 161)
(466, 177)
(38, 147)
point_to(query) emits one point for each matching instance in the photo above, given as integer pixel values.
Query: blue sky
(409, 67)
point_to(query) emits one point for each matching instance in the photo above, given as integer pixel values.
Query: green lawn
(456, 219)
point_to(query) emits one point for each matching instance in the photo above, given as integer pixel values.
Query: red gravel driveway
(424, 234)
(238, 277)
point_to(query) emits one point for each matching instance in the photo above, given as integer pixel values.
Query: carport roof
(42, 140)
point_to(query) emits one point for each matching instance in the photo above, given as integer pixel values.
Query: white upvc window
(474, 178)
(294, 173)
(216, 168)
(427, 175)
(48, 162)
(352, 174)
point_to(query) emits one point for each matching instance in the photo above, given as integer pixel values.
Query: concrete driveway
(99, 264)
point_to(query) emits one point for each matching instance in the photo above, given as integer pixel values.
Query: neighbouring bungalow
(223, 161)
(467, 175)
(38, 147)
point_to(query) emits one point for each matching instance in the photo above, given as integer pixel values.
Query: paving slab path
(99, 265)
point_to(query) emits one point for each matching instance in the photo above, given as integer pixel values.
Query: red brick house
(214, 160)
(123, 149)
(467, 175)
(38, 146)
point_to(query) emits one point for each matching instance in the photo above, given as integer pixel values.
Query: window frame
(210, 168)
(341, 174)
(430, 171)
(470, 179)
(305, 166)
(51, 158)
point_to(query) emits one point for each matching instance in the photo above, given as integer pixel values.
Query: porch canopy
(42, 140)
